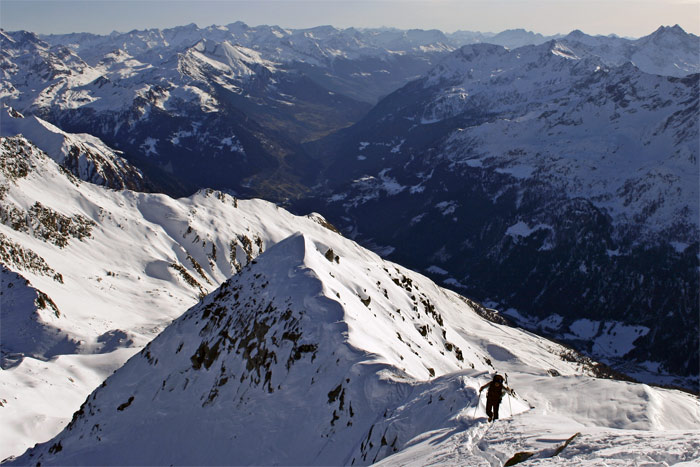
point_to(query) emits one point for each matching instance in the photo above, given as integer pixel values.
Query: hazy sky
(632, 18)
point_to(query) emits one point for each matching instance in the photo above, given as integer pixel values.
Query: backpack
(496, 388)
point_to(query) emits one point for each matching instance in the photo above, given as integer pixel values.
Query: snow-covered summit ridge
(78, 65)
(85, 156)
(320, 353)
(498, 65)
(141, 259)
(313, 45)
(236, 60)
(668, 50)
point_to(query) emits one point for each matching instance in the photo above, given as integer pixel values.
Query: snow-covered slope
(321, 353)
(94, 274)
(84, 156)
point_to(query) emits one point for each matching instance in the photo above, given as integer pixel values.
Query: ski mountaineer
(494, 395)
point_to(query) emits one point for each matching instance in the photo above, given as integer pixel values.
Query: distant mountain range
(227, 107)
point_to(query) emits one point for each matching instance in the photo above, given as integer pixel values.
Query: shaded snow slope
(320, 353)
(117, 266)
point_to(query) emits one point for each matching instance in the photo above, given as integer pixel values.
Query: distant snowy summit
(668, 51)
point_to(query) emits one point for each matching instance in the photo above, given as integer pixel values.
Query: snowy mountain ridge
(649, 53)
(321, 353)
(85, 156)
(74, 248)
(323, 43)
(314, 46)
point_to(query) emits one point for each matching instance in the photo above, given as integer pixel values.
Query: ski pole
(509, 396)
(478, 398)
(510, 406)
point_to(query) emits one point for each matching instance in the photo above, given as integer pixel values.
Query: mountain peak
(21, 39)
(516, 32)
(675, 30)
(672, 37)
(471, 51)
(325, 28)
(576, 34)
(238, 24)
(285, 255)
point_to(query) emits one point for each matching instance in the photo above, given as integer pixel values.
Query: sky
(628, 18)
